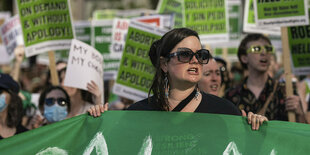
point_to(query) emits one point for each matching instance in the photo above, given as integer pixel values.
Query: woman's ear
(244, 59)
(163, 64)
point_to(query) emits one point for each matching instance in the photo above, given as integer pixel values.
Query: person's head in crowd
(11, 106)
(211, 78)
(178, 59)
(54, 104)
(255, 52)
(236, 74)
(60, 65)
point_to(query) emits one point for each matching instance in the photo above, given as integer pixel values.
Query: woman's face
(211, 78)
(181, 73)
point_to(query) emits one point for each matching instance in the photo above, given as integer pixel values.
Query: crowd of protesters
(28, 100)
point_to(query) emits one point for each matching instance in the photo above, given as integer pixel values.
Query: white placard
(119, 33)
(85, 64)
(11, 35)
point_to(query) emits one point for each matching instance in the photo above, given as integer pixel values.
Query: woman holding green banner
(178, 59)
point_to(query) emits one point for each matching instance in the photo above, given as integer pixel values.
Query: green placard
(136, 70)
(102, 38)
(206, 16)
(267, 9)
(299, 44)
(83, 31)
(251, 15)
(235, 24)
(175, 7)
(43, 21)
(139, 132)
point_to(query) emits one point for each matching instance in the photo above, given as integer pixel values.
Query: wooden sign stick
(287, 69)
(53, 71)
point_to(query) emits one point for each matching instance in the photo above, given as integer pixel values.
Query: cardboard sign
(46, 25)
(136, 71)
(249, 24)
(84, 65)
(83, 31)
(209, 18)
(281, 12)
(11, 34)
(175, 7)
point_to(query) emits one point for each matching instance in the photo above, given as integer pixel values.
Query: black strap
(184, 102)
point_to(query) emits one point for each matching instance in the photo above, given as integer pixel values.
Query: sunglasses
(185, 55)
(60, 101)
(257, 49)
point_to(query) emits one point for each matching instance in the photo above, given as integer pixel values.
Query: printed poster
(209, 18)
(46, 25)
(249, 24)
(299, 44)
(11, 34)
(281, 12)
(136, 71)
(175, 7)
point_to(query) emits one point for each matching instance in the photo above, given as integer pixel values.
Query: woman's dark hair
(48, 90)
(15, 110)
(243, 45)
(161, 48)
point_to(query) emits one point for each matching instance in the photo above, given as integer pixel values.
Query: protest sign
(281, 12)
(46, 25)
(3, 55)
(84, 65)
(161, 20)
(119, 33)
(154, 132)
(83, 31)
(249, 24)
(299, 44)
(234, 15)
(101, 40)
(230, 55)
(104, 14)
(136, 71)
(175, 7)
(11, 34)
(209, 18)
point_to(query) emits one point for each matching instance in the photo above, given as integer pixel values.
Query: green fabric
(139, 132)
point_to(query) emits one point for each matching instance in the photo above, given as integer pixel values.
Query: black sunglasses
(60, 101)
(186, 55)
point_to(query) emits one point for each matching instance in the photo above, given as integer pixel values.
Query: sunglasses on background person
(60, 101)
(185, 55)
(257, 49)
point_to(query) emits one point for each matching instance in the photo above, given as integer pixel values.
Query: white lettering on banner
(231, 147)
(99, 143)
(273, 152)
(53, 150)
(147, 146)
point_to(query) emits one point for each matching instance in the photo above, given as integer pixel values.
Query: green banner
(175, 7)
(234, 15)
(46, 25)
(299, 44)
(131, 132)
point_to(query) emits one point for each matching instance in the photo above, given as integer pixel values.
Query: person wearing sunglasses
(54, 104)
(178, 59)
(11, 107)
(260, 93)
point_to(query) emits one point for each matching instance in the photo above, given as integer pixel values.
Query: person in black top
(11, 108)
(178, 59)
